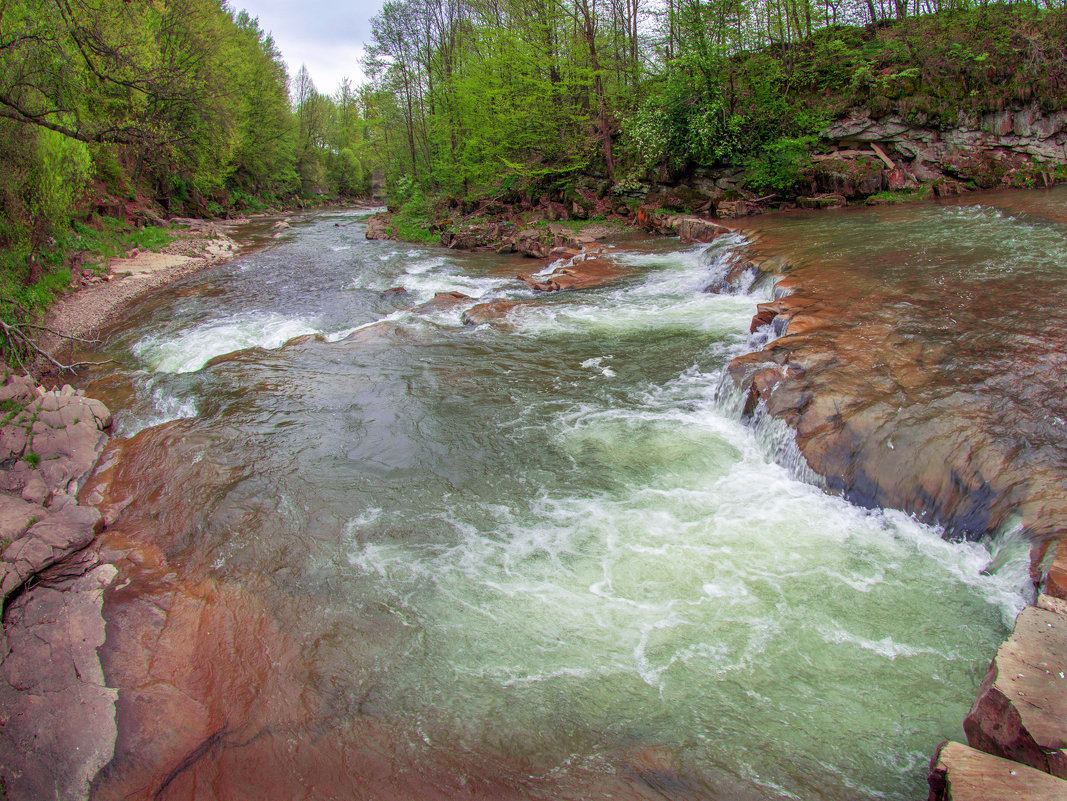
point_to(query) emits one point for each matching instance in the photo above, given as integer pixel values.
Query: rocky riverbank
(97, 298)
(848, 380)
(54, 704)
(860, 160)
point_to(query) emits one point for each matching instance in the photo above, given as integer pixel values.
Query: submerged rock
(442, 301)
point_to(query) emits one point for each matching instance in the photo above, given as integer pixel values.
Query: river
(367, 551)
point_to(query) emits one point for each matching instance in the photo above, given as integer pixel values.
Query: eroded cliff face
(864, 157)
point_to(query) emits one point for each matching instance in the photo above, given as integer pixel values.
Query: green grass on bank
(114, 238)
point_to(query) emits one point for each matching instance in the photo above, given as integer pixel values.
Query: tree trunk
(598, 85)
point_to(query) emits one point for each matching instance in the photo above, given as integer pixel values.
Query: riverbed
(366, 550)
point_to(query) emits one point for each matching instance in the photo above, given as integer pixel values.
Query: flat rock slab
(494, 313)
(1021, 710)
(58, 718)
(960, 773)
(16, 515)
(587, 274)
(61, 534)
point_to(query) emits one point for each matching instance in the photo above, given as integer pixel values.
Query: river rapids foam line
(181, 604)
(822, 356)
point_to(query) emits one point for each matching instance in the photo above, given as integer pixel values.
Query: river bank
(151, 542)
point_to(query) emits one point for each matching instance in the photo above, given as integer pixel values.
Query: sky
(326, 35)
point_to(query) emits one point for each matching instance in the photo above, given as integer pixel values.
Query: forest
(185, 107)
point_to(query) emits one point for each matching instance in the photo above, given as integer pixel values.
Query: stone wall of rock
(58, 718)
(863, 156)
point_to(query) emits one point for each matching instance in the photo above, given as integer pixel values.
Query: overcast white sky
(327, 35)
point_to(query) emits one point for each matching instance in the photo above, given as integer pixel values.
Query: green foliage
(411, 212)
(901, 196)
(682, 127)
(779, 168)
(59, 175)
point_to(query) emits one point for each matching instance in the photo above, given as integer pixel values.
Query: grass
(901, 196)
(115, 238)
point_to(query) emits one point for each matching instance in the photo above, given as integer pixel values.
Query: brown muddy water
(406, 558)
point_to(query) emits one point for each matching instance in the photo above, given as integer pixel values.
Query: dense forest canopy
(473, 93)
(185, 106)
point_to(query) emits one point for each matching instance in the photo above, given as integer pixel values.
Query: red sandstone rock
(59, 715)
(582, 275)
(1056, 578)
(696, 229)
(494, 313)
(959, 773)
(378, 227)
(442, 301)
(1021, 710)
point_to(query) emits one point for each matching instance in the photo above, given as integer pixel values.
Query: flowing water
(545, 559)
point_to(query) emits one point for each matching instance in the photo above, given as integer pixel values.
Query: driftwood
(20, 343)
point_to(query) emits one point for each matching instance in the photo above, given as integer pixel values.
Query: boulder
(1021, 710)
(585, 274)
(857, 176)
(378, 226)
(494, 313)
(696, 229)
(731, 209)
(469, 237)
(959, 773)
(531, 242)
(44, 544)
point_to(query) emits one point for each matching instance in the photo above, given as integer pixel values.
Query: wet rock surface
(592, 271)
(494, 313)
(938, 398)
(1021, 710)
(959, 773)
(907, 394)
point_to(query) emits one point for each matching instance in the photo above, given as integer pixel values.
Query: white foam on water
(886, 647)
(669, 296)
(425, 285)
(700, 570)
(189, 350)
(424, 265)
(165, 406)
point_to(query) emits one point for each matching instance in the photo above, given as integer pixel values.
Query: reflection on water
(416, 559)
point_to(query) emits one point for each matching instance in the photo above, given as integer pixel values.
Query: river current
(542, 559)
